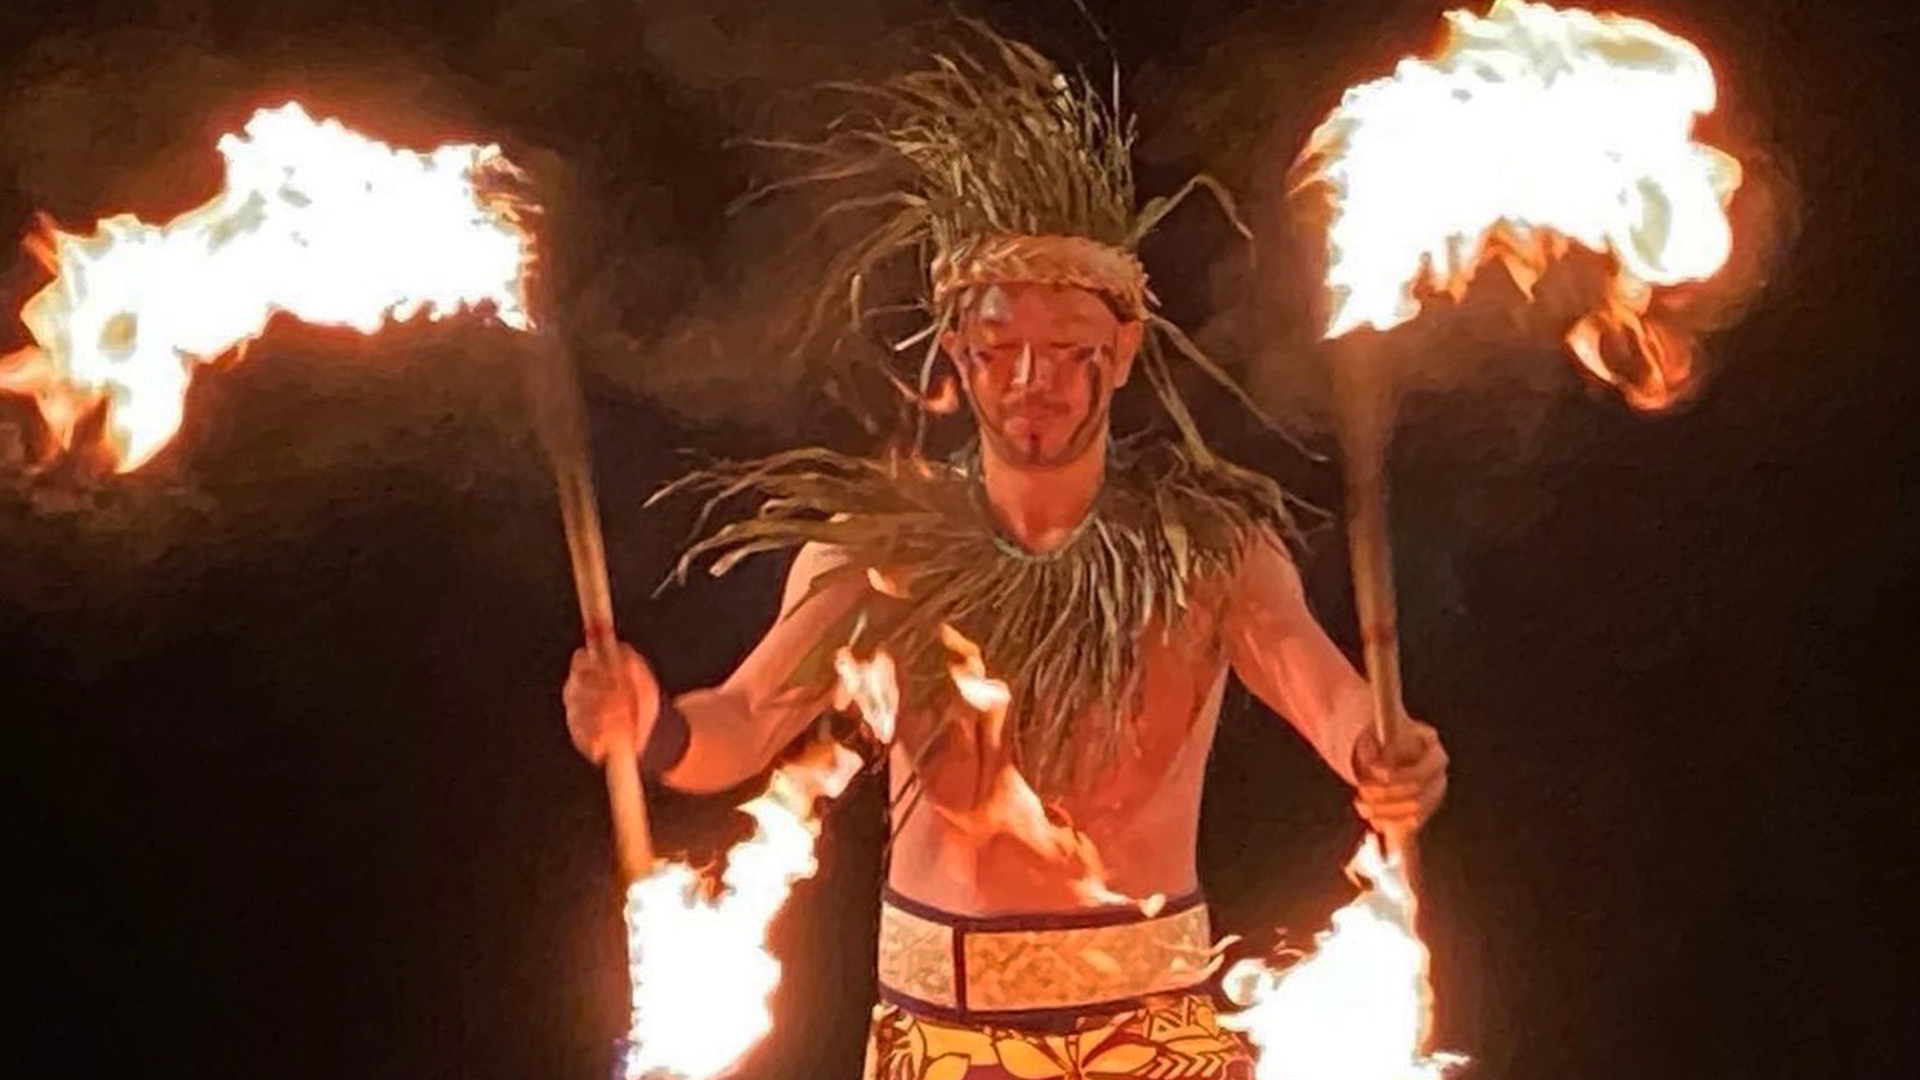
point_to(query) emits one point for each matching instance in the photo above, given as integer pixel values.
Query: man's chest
(1133, 742)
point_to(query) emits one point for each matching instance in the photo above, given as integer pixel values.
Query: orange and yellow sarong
(1094, 995)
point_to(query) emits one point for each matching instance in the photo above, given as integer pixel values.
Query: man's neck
(1040, 509)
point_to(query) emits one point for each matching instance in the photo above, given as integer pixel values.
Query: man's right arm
(735, 729)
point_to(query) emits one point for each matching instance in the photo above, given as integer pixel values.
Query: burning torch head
(314, 221)
(1532, 132)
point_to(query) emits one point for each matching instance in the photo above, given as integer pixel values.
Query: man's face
(1040, 364)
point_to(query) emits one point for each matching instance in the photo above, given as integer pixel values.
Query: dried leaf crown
(991, 164)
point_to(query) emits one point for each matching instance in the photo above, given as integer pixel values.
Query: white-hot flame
(1530, 127)
(1356, 1008)
(314, 220)
(870, 687)
(701, 974)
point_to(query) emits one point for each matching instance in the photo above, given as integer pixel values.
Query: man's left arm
(1283, 655)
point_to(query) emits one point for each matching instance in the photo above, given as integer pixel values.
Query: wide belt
(1018, 969)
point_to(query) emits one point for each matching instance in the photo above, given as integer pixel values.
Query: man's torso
(957, 846)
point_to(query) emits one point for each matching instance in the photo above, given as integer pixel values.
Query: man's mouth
(1035, 411)
(1029, 421)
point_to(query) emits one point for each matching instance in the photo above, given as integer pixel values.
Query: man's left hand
(1401, 788)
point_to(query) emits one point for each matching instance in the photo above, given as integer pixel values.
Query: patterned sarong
(1174, 1037)
(1090, 995)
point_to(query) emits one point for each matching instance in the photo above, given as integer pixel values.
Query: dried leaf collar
(1062, 629)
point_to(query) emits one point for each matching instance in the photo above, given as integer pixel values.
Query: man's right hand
(610, 703)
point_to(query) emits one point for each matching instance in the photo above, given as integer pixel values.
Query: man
(1111, 587)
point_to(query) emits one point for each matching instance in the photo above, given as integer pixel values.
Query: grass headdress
(991, 165)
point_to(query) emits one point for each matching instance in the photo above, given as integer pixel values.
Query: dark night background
(291, 795)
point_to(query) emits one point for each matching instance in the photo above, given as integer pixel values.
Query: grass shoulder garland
(1061, 629)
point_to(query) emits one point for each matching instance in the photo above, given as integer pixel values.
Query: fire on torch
(1529, 132)
(314, 220)
(333, 228)
(1532, 130)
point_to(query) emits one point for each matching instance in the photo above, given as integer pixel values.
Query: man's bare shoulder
(816, 557)
(1264, 553)
(1263, 563)
(817, 566)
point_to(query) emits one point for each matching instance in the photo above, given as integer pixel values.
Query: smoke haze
(282, 710)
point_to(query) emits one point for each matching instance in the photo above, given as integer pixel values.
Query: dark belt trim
(1082, 919)
(1058, 1021)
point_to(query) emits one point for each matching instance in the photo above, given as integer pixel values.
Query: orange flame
(1358, 1007)
(1531, 127)
(885, 584)
(944, 398)
(1011, 805)
(315, 220)
(870, 686)
(702, 977)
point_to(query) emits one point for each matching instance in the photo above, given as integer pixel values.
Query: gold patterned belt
(1020, 969)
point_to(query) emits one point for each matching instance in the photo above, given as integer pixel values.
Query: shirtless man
(1041, 363)
(1126, 581)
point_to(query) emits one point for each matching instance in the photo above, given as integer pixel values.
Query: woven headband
(1007, 259)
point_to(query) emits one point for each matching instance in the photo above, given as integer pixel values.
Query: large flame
(1358, 1006)
(1010, 805)
(1530, 128)
(314, 220)
(701, 974)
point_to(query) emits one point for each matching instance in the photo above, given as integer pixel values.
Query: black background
(291, 794)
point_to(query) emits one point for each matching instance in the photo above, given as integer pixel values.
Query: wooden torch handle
(1365, 406)
(560, 419)
(1366, 422)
